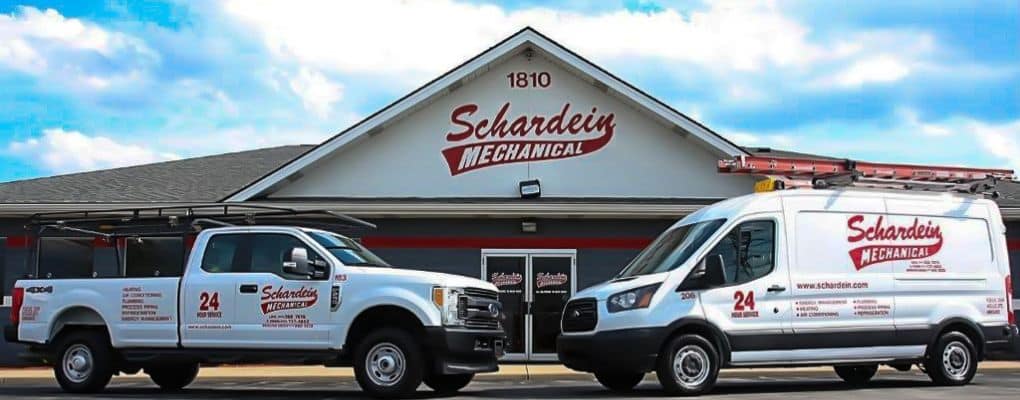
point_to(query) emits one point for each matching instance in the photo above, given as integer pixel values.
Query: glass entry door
(534, 286)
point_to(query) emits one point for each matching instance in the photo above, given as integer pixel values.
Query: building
(449, 173)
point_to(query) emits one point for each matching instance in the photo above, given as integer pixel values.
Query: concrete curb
(511, 372)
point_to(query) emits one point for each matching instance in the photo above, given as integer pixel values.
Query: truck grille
(481, 293)
(473, 308)
(580, 315)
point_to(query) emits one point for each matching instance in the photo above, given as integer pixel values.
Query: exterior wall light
(530, 189)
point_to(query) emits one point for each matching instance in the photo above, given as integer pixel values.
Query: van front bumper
(464, 351)
(624, 350)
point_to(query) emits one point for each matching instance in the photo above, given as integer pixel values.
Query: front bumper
(462, 351)
(624, 350)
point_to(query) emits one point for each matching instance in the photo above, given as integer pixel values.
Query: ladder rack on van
(817, 173)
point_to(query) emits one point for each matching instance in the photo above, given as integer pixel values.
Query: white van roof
(772, 201)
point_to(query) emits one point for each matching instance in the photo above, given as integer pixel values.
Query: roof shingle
(192, 180)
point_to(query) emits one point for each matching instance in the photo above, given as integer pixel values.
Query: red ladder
(813, 172)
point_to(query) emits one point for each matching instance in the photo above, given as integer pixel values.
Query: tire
(698, 363)
(619, 381)
(448, 384)
(856, 374)
(83, 361)
(952, 361)
(388, 363)
(173, 377)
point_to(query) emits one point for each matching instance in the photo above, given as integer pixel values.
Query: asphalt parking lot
(738, 384)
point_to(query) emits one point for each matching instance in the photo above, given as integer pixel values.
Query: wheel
(952, 361)
(83, 362)
(388, 363)
(173, 377)
(619, 381)
(448, 384)
(856, 374)
(688, 365)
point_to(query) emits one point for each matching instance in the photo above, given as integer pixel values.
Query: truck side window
(748, 251)
(254, 252)
(225, 253)
(270, 250)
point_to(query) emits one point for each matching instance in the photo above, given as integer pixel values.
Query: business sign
(478, 141)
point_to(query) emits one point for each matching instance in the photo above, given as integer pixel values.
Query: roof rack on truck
(789, 173)
(110, 223)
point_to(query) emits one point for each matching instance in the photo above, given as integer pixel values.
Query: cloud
(317, 92)
(62, 151)
(779, 141)
(878, 69)
(1000, 140)
(430, 37)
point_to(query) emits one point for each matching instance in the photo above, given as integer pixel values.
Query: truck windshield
(671, 249)
(347, 250)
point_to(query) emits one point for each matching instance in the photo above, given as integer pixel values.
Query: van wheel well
(380, 316)
(966, 329)
(704, 331)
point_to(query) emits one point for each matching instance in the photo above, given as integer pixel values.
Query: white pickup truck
(265, 294)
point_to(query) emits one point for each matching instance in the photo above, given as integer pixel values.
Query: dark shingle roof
(200, 179)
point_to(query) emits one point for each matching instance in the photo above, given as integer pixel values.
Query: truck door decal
(209, 305)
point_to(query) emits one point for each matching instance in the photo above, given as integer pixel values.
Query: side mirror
(715, 270)
(298, 264)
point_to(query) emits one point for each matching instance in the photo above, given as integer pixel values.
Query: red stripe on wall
(430, 242)
(18, 242)
(1013, 244)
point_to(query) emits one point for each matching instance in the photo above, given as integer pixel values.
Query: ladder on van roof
(791, 172)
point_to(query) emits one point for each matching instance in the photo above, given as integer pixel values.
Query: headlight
(447, 299)
(632, 299)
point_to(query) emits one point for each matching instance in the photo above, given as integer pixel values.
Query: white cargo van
(849, 278)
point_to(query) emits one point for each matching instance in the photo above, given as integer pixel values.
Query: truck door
(280, 309)
(753, 306)
(242, 297)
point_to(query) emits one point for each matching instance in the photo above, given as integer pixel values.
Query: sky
(88, 85)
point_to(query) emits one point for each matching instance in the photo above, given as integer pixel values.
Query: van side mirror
(715, 270)
(298, 263)
(708, 273)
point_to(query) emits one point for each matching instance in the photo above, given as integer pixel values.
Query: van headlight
(632, 299)
(448, 301)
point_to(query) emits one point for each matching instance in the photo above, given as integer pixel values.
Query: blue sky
(90, 85)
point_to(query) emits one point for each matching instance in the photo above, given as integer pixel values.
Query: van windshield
(671, 249)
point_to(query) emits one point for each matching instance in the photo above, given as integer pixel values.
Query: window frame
(736, 225)
(313, 252)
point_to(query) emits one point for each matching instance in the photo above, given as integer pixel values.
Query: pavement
(995, 380)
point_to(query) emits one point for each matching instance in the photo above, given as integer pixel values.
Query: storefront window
(65, 258)
(154, 256)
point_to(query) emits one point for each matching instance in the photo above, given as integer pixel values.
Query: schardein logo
(282, 299)
(543, 279)
(501, 279)
(504, 139)
(919, 240)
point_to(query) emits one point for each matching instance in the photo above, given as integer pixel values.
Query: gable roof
(527, 38)
(192, 180)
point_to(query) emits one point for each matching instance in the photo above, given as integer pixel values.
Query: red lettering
(455, 118)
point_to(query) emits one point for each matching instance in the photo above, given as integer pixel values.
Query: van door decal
(929, 233)
(743, 305)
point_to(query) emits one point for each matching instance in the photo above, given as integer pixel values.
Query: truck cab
(265, 294)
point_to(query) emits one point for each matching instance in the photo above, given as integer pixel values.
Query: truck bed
(140, 312)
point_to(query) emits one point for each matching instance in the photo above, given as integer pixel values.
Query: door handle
(249, 288)
(776, 288)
